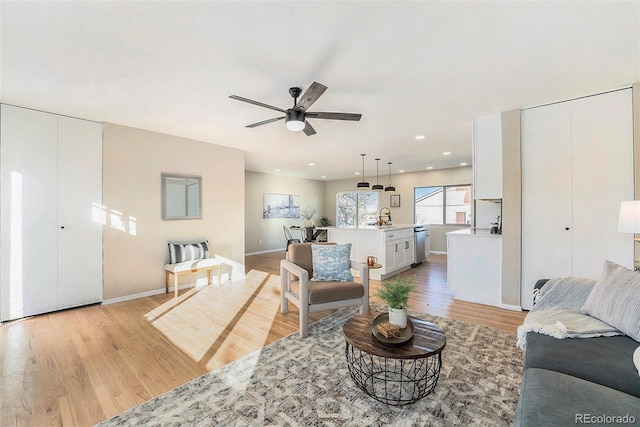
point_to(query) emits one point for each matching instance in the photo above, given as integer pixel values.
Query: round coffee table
(399, 374)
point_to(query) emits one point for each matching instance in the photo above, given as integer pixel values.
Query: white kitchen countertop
(376, 228)
(474, 232)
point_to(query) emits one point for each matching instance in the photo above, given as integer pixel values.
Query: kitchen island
(474, 266)
(393, 245)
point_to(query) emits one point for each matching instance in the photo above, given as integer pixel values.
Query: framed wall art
(394, 200)
(280, 206)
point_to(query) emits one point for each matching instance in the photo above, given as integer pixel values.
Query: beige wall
(263, 235)
(133, 161)
(405, 183)
(636, 152)
(511, 208)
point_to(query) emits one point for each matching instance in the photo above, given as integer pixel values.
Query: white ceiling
(411, 68)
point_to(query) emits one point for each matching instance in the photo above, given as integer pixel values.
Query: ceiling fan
(296, 118)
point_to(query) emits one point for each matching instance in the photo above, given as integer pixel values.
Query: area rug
(303, 382)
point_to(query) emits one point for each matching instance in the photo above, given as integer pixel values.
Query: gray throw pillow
(615, 299)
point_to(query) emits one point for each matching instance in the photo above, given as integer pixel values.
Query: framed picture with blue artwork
(280, 206)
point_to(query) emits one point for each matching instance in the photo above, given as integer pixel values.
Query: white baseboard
(154, 292)
(511, 307)
(439, 252)
(133, 296)
(266, 252)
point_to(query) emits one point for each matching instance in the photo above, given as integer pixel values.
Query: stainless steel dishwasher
(420, 234)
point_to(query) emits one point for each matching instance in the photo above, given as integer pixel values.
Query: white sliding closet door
(29, 212)
(80, 198)
(577, 166)
(602, 146)
(546, 195)
(51, 191)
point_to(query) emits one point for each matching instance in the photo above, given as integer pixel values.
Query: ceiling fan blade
(310, 96)
(308, 129)
(334, 116)
(264, 122)
(259, 104)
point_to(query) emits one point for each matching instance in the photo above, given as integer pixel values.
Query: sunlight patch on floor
(208, 321)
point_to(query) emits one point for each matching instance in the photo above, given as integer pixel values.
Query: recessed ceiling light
(323, 177)
(463, 164)
(429, 167)
(446, 153)
(401, 171)
(356, 173)
(312, 164)
(277, 170)
(420, 137)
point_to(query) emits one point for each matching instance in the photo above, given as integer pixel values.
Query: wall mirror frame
(181, 196)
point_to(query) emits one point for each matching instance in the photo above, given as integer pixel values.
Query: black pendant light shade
(363, 185)
(389, 186)
(378, 186)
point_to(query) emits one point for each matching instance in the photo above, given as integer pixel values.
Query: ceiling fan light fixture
(363, 185)
(390, 188)
(295, 117)
(294, 120)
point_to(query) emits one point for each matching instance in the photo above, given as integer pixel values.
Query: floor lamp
(629, 222)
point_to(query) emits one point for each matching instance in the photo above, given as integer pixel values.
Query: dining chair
(289, 237)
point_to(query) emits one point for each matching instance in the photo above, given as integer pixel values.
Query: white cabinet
(474, 266)
(399, 251)
(394, 248)
(51, 250)
(487, 157)
(410, 251)
(577, 166)
(389, 261)
(427, 244)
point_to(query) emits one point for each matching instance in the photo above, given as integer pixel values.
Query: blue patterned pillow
(331, 263)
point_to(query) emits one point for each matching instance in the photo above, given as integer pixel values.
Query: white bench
(195, 256)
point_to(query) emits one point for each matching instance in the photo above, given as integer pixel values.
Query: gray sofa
(578, 381)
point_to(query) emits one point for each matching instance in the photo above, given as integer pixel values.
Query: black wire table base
(393, 381)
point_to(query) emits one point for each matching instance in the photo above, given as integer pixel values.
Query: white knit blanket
(557, 313)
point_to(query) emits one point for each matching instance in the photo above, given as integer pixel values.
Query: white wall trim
(133, 296)
(577, 97)
(266, 252)
(511, 307)
(439, 252)
(199, 284)
(152, 293)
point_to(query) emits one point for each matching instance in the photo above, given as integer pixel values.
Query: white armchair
(311, 296)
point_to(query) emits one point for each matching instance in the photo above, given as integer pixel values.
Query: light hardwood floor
(82, 366)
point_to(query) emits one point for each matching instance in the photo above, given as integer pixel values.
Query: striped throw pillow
(181, 252)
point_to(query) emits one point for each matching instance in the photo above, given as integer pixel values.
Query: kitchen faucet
(387, 214)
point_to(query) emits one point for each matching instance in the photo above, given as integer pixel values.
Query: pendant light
(363, 185)
(378, 186)
(389, 186)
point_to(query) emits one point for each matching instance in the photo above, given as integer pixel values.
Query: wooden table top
(428, 339)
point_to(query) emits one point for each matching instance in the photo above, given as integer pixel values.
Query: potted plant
(324, 221)
(307, 214)
(396, 292)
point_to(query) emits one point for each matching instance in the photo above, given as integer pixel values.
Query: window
(449, 204)
(356, 208)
